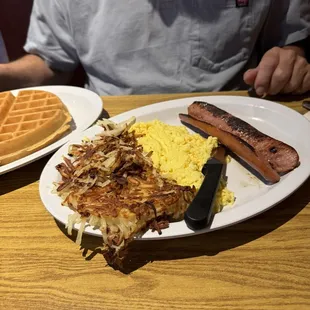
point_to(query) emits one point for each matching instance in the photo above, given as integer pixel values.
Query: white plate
(84, 106)
(252, 196)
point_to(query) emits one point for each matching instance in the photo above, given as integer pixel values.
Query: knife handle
(198, 214)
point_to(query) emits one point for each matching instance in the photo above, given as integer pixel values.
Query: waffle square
(29, 122)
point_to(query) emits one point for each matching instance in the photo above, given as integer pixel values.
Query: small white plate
(84, 106)
(252, 196)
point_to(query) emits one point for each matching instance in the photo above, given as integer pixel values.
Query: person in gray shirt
(166, 46)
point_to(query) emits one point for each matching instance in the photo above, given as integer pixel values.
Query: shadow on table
(104, 114)
(141, 253)
(22, 176)
(281, 98)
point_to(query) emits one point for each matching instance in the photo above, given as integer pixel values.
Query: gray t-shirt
(160, 46)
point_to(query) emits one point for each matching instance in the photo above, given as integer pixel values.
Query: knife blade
(198, 214)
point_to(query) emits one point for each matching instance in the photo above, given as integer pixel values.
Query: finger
(283, 73)
(266, 68)
(296, 80)
(250, 76)
(305, 87)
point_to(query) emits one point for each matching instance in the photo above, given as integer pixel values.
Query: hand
(281, 70)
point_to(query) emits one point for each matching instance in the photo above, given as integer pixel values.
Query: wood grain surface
(262, 263)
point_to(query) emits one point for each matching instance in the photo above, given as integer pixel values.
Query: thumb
(250, 76)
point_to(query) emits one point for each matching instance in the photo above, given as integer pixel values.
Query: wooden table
(263, 263)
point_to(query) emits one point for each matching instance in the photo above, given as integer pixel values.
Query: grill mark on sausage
(282, 157)
(236, 145)
(236, 124)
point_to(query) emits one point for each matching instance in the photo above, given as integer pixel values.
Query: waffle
(29, 122)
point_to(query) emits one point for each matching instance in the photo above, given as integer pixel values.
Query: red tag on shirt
(242, 3)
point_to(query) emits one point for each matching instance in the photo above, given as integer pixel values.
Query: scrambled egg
(179, 155)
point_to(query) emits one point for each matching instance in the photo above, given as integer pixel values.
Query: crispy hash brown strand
(111, 184)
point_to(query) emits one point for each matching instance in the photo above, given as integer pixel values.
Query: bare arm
(30, 70)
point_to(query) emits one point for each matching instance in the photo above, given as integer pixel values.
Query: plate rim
(141, 111)
(24, 161)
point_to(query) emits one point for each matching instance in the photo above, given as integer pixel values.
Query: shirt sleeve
(288, 22)
(49, 36)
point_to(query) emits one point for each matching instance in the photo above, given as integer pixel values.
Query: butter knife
(199, 213)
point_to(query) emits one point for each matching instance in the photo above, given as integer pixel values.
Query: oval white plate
(252, 196)
(85, 107)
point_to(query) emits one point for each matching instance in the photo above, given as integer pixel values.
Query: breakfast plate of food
(135, 175)
(36, 121)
